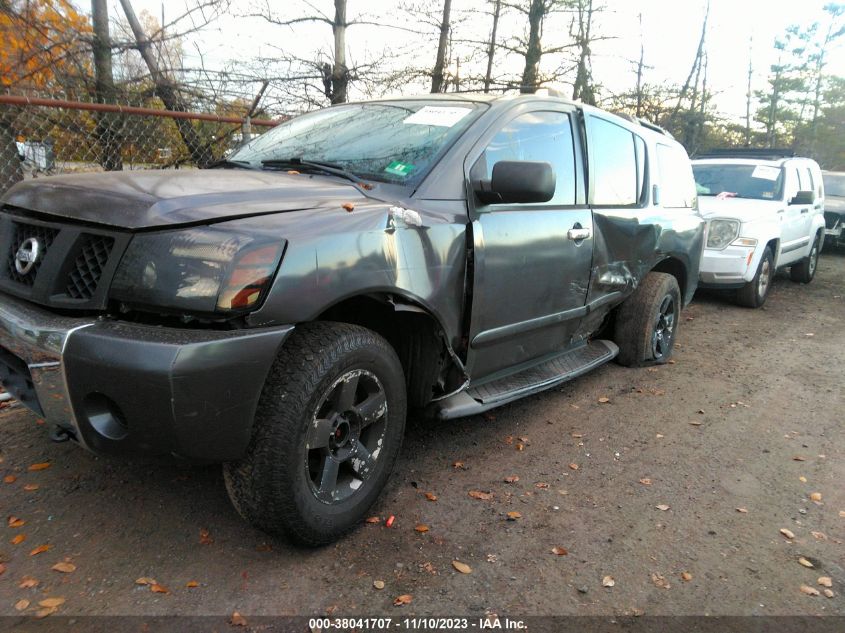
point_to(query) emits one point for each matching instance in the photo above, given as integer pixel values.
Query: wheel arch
(676, 268)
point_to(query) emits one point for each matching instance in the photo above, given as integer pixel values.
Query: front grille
(21, 233)
(88, 267)
(831, 219)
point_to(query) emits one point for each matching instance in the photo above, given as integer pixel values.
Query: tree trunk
(200, 153)
(695, 64)
(491, 50)
(106, 132)
(748, 97)
(440, 63)
(534, 51)
(640, 71)
(340, 73)
(583, 89)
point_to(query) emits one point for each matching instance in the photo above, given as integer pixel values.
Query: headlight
(204, 269)
(720, 233)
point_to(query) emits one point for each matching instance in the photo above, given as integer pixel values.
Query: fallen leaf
(28, 583)
(810, 591)
(459, 466)
(264, 547)
(405, 598)
(663, 507)
(520, 446)
(2, 569)
(798, 458)
(478, 494)
(431, 496)
(608, 581)
(20, 605)
(9, 479)
(192, 584)
(422, 527)
(156, 588)
(815, 496)
(461, 567)
(43, 613)
(696, 423)
(373, 520)
(36, 467)
(805, 563)
(51, 603)
(513, 516)
(604, 399)
(645, 481)
(237, 619)
(512, 479)
(20, 538)
(205, 537)
(542, 485)
(144, 580)
(15, 522)
(390, 521)
(348, 206)
(659, 436)
(427, 566)
(802, 479)
(659, 581)
(742, 510)
(686, 576)
(64, 567)
(560, 551)
(821, 536)
(293, 172)
(828, 593)
(378, 584)
(787, 533)
(825, 581)
(842, 514)
(573, 466)
(40, 550)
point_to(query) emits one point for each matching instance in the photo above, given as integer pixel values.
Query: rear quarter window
(617, 164)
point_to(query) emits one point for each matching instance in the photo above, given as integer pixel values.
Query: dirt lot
(677, 487)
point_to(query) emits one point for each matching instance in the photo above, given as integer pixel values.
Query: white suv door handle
(579, 234)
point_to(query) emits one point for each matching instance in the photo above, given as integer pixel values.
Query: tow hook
(61, 434)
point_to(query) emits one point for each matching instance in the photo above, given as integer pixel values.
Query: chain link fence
(45, 136)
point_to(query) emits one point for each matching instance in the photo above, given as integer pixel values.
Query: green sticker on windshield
(398, 168)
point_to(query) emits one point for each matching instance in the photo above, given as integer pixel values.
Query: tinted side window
(541, 136)
(613, 163)
(677, 185)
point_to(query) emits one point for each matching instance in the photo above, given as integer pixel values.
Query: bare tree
(583, 86)
(696, 65)
(437, 84)
(531, 47)
(491, 49)
(104, 91)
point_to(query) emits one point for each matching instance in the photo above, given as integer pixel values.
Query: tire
(321, 452)
(647, 322)
(804, 271)
(754, 293)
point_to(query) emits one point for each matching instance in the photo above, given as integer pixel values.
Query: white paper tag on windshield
(766, 172)
(437, 115)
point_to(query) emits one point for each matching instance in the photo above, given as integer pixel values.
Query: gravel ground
(676, 482)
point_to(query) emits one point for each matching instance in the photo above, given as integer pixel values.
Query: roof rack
(646, 124)
(762, 153)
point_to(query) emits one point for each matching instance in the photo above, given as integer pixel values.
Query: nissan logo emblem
(28, 254)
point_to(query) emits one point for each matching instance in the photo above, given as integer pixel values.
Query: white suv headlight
(720, 233)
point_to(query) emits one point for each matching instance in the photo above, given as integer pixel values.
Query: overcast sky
(670, 31)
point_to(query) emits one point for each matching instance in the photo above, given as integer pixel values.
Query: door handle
(805, 210)
(579, 234)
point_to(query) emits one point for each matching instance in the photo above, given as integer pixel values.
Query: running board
(479, 398)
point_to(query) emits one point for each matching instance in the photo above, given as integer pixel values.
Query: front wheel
(647, 322)
(754, 293)
(327, 432)
(804, 271)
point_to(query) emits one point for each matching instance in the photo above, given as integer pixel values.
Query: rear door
(795, 227)
(531, 261)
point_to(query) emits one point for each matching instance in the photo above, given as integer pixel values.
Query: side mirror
(804, 197)
(517, 181)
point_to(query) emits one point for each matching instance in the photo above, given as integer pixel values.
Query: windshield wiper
(313, 165)
(231, 164)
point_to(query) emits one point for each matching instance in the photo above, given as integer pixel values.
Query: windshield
(395, 142)
(834, 185)
(760, 182)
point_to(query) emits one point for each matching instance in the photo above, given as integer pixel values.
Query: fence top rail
(18, 100)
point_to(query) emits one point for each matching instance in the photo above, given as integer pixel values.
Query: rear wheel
(327, 433)
(647, 322)
(754, 293)
(804, 271)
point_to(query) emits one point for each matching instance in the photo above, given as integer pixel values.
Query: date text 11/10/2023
(489, 622)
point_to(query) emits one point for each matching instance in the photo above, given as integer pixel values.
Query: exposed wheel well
(676, 268)
(774, 244)
(413, 333)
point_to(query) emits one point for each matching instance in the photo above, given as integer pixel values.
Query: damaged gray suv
(283, 312)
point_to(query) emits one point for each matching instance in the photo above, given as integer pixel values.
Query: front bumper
(126, 388)
(731, 267)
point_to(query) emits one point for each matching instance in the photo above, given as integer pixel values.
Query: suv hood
(148, 199)
(742, 209)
